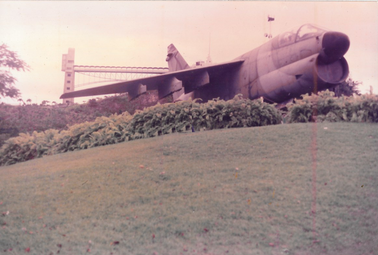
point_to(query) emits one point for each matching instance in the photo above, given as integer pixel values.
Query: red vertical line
(278, 239)
(314, 154)
(314, 166)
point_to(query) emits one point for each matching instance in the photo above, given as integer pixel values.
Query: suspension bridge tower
(69, 74)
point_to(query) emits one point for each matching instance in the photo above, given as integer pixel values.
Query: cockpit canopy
(304, 32)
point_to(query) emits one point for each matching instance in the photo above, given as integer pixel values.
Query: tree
(9, 60)
(347, 88)
(92, 103)
(21, 101)
(45, 102)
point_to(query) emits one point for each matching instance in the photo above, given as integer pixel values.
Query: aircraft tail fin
(175, 61)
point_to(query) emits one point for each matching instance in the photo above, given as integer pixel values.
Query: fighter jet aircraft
(303, 60)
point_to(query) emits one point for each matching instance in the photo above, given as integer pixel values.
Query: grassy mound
(284, 189)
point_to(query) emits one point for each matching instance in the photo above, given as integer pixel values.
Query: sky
(137, 34)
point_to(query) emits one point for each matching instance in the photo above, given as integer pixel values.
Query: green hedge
(153, 121)
(326, 107)
(215, 114)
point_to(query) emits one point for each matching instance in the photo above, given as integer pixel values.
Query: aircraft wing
(165, 83)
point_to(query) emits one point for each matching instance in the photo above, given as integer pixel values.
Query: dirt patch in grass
(286, 189)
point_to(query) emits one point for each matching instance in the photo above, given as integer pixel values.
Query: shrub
(29, 118)
(215, 114)
(326, 107)
(153, 121)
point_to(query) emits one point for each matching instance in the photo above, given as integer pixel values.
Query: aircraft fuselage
(294, 63)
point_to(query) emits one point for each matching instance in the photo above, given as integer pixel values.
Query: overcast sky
(138, 33)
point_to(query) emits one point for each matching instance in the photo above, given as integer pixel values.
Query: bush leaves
(153, 121)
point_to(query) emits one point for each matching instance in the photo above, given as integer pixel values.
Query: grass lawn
(285, 189)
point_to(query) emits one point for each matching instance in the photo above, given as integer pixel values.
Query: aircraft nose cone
(335, 45)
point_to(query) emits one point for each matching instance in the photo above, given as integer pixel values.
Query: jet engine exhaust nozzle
(335, 45)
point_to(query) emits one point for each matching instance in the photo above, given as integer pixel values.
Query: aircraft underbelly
(282, 77)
